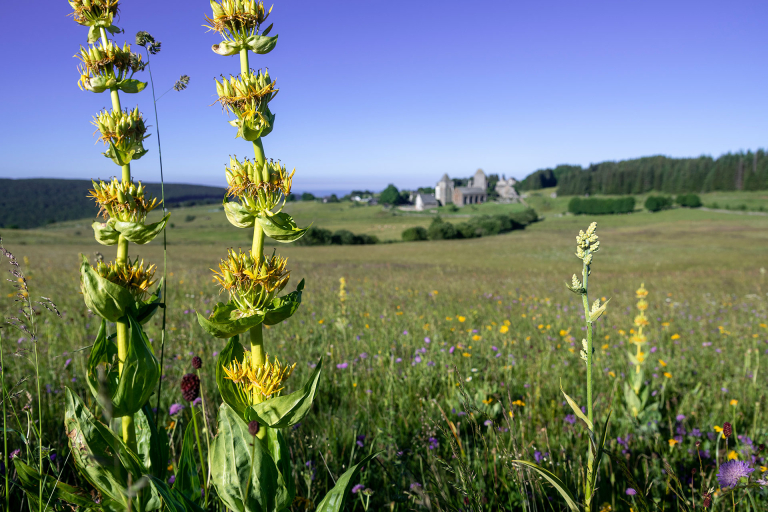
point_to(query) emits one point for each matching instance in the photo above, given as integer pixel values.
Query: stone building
(474, 193)
(506, 190)
(444, 190)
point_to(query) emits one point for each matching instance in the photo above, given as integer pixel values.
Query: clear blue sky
(373, 92)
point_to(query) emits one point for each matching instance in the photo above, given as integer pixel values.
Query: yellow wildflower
(672, 443)
(662, 363)
(462, 319)
(519, 403)
(668, 375)
(503, 329)
(732, 455)
(255, 383)
(734, 402)
(675, 336)
(476, 338)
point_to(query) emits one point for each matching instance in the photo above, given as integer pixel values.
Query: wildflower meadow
(573, 365)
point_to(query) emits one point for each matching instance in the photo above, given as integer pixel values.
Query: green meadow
(449, 355)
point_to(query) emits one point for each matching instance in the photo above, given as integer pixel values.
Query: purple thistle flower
(732, 471)
(175, 409)
(630, 491)
(342, 366)
(356, 489)
(570, 418)
(172, 479)
(67, 362)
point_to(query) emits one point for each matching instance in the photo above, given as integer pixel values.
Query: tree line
(731, 171)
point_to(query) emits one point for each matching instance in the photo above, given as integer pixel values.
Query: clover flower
(251, 284)
(260, 188)
(247, 96)
(236, 20)
(731, 471)
(133, 275)
(256, 383)
(124, 132)
(125, 202)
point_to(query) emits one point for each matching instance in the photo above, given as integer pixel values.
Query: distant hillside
(36, 202)
(732, 171)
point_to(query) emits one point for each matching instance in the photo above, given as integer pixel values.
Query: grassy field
(473, 333)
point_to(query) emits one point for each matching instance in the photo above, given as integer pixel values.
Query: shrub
(658, 203)
(316, 236)
(343, 237)
(366, 239)
(467, 230)
(306, 196)
(390, 195)
(189, 218)
(441, 230)
(601, 206)
(689, 200)
(414, 234)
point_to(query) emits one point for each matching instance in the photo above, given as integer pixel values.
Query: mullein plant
(636, 392)
(127, 466)
(249, 458)
(587, 244)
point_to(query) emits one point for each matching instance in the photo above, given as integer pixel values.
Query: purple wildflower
(175, 409)
(356, 489)
(630, 491)
(732, 471)
(342, 366)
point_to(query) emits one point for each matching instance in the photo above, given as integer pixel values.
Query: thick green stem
(258, 357)
(244, 61)
(129, 427)
(258, 151)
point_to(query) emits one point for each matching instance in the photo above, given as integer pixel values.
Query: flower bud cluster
(255, 383)
(235, 20)
(252, 284)
(259, 188)
(133, 275)
(123, 128)
(125, 202)
(94, 12)
(247, 96)
(587, 244)
(107, 60)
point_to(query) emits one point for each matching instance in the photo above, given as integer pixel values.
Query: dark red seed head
(727, 429)
(253, 427)
(190, 387)
(197, 363)
(707, 500)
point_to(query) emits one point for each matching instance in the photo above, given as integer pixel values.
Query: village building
(444, 190)
(474, 193)
(423, 202)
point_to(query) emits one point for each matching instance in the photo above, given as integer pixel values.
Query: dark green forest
(732, 171)
(30, 203)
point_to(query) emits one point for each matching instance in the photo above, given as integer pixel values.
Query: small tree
(390, 195)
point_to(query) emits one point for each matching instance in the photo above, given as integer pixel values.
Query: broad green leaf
(577, 409)
(238, 215)
(187, 481)
(105, 298)
(100, 456)
(284, 307)
(58, 491)
(280, 227)
(288, 410)
(139, 233)
(105, 233)
(336, 497)
(152, 444)
(243, 472)
(223, 322)
(554, 480)
(171, 500)
(144, 310)
(131, 86)
(261, 44)
(281, 455)
(123, 394)
(600, 449)
(233, 351)
(93, 34)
